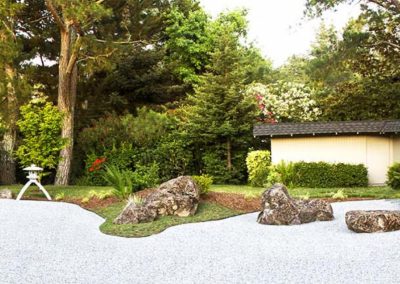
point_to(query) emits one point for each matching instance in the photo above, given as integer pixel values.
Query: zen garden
(159, 142)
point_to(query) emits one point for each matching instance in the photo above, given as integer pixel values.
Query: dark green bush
(393, 176)
(215, 165)
(321, 174)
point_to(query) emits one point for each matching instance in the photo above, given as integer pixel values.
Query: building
(376, 144)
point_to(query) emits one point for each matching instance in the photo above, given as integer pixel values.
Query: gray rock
(179, 196)
(314, 210)
(373, 221)
(280, 209)
(134, 214)
(6, 194)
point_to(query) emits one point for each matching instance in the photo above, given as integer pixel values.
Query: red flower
(96, 165)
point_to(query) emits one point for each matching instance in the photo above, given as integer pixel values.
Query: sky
(278, 26)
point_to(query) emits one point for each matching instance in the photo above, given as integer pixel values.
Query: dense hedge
(321, 174)
(394, 176)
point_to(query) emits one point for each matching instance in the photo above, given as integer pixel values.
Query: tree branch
(384, 42)
(122, 42)
(106, 55)
(56, 16)
(74, 56)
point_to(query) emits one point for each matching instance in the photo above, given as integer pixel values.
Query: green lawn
(82, 191)
(378, 192)
(205, 212)
(77, 192)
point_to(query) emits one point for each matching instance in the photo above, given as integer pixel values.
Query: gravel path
(48, 242)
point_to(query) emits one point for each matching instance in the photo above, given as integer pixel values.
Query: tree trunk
(7, 146)
(229, 154)
(67, 84)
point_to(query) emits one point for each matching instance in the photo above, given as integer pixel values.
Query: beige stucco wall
(377, 153)
(396, 149)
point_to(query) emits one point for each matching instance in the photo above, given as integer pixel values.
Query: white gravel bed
(48, 242)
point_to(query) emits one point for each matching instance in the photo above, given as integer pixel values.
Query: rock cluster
(179, 196)
(373, 221)
(6, 194)
(280, 209)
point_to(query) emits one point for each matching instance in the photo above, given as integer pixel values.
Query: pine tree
(220, 113)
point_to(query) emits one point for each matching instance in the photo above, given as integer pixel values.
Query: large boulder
(179, 196)
(134, 214)
(314, 210)
(373, 221)
(6, 194)
(280, 209)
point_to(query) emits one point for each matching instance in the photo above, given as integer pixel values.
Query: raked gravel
(49, 242)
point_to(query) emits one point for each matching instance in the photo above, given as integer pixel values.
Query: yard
(221, 202)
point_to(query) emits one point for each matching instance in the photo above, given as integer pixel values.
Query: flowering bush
(97, 164)
(285, 101)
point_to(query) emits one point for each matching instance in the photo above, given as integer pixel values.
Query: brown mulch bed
(230, 200)
(332, 200)
(240, 202)
(234, 201)
(93, 203)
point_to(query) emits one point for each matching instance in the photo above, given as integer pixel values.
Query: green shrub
(215, 164)
(393, 176)
(322, 174)
(125, 182)
(258, 163)
(145, 176)
(40, 127)
(121, 181)
(318, 174)
(204, 182)
(284, 173)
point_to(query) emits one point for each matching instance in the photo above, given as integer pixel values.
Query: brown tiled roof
(327, 128)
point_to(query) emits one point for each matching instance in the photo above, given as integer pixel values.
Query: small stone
(280, 209)
(373, 221)
(6, 194)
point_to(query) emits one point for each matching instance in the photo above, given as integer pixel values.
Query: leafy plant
(204, 182)
(339, 194)
(121, 181)
(144, 176)
(104, 195)
(258, 163)
(135, 199)
(40, 126)
(393, 176)
(59, 196)
(85, 200)
(282, 173)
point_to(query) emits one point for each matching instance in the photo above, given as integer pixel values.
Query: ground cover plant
(205, 212)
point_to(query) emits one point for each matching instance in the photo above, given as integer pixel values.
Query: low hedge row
(322, 174)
